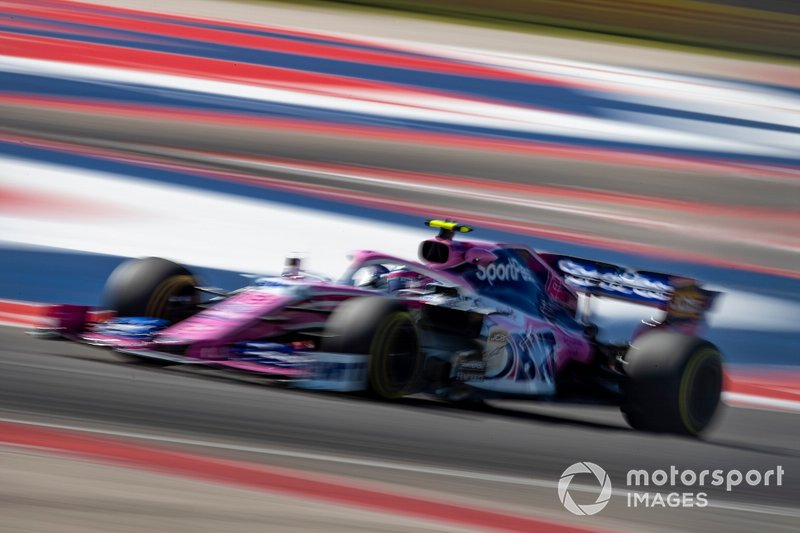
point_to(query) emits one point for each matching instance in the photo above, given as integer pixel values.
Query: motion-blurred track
(507, 455)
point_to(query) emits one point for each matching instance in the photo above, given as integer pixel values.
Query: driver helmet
(371, 277)
(404, 279)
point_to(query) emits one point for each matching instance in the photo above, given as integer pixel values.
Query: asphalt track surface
(508, 454)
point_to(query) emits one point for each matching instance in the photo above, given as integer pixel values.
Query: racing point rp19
(471, 320)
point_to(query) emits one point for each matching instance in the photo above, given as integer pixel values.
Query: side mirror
(479, 256)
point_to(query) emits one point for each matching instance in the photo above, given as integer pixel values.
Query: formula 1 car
(471, 321)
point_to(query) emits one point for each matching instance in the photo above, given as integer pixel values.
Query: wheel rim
(700, 390)
(401, 357)
(395, 357)
(180, 304)
(704, 395)
(174, 300)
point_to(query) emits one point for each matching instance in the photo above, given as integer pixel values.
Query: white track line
(750, 401)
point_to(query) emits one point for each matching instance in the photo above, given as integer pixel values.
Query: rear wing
(681, 297)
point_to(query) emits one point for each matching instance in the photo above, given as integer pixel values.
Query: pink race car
(472, 320)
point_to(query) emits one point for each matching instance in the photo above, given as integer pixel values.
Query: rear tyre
(673, 383)
(383, 329)
(152, 287)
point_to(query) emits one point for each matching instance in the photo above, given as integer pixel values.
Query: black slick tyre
(153, 287)
(383, 329)
(673, 383)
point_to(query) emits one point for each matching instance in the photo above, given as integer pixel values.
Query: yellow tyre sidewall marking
(689, 375)
(158, 301)
(379, 361)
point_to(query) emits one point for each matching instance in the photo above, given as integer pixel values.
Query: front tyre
(673, 383)
(152, 287)
(383, 329)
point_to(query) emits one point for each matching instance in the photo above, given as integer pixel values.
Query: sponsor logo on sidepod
(511, 271)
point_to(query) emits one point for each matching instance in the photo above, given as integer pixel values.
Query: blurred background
(767, 27)
(657, 134)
